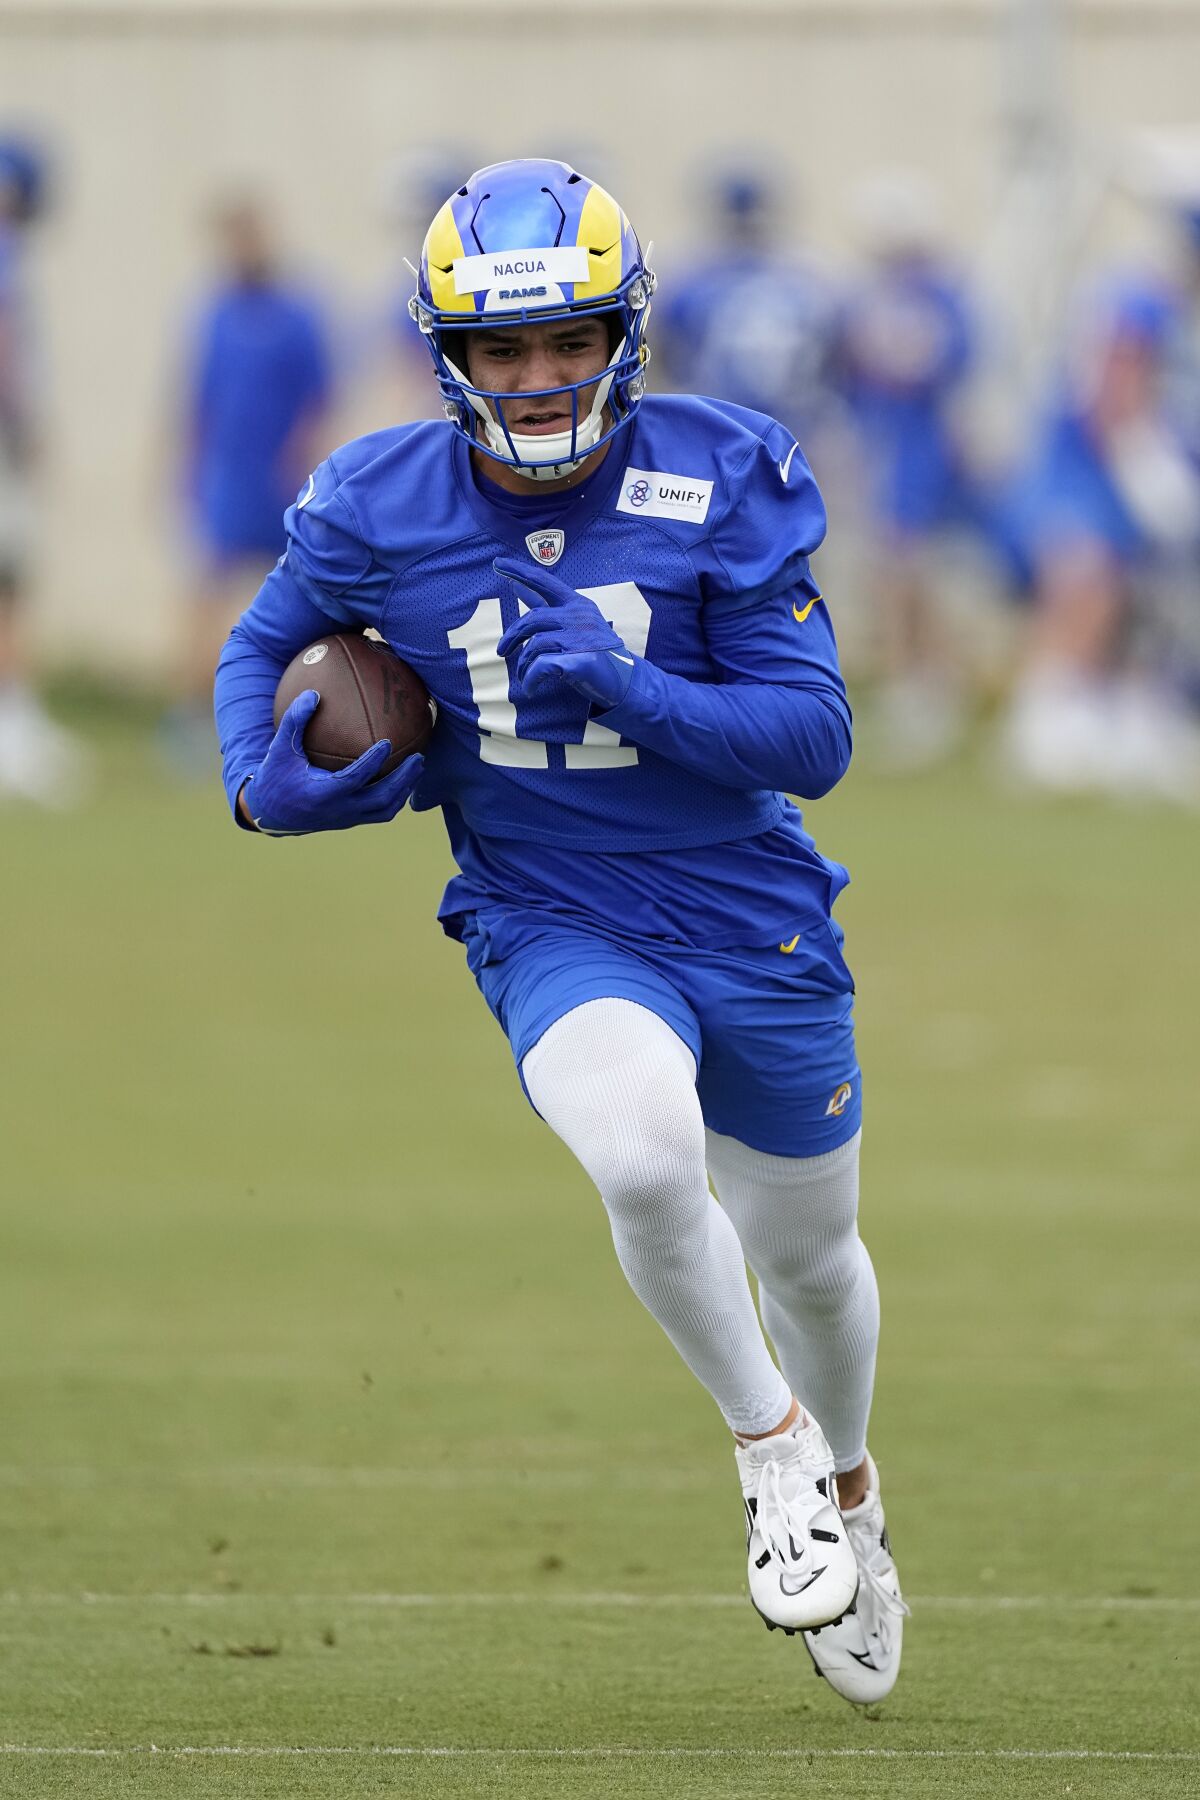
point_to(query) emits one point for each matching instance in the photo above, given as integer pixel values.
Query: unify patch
(655, 494)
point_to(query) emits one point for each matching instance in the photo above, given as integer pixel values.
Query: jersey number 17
(501, 740)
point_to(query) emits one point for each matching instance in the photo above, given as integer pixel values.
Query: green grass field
(337, 1459)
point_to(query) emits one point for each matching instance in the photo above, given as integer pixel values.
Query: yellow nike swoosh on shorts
(788, 948)
(801, 616)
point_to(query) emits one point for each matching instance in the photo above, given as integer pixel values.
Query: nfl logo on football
(546, 546)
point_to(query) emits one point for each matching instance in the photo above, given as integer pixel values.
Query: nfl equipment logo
(546, 547)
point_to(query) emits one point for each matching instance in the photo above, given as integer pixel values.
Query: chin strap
(535, 449)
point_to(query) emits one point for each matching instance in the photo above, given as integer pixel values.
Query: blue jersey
(16, 349)
(753, 328)
(904, 352)
(1068, 494)
(261, 371)
(662, 815)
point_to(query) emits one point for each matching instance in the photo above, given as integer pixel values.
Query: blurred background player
(1104, 528)
(904, 356)
(257, 394)
(751, 320)
(39, 761)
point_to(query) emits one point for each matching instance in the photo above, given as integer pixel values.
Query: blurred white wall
(150, 108)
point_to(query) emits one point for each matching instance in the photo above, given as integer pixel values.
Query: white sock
(619, 1087)
(797, 1218)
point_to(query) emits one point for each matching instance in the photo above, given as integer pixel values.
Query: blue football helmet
(522, 243)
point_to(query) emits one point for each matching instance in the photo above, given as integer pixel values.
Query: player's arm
(778, 718)
(776, 715)
(279, 622)
(272, 787)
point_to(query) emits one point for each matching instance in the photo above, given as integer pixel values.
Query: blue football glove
(565, 637)
(287, 795)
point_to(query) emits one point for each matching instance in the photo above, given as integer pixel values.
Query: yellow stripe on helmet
(602, 228)
(443, 245)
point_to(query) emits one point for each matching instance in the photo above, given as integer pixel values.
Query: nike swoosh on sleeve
(800, 615)
(305, 498)
(785, 466)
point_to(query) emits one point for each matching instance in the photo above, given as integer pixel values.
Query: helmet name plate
(559, 264)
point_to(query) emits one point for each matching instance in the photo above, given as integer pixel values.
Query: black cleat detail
(804, 1585)
(826, 1537)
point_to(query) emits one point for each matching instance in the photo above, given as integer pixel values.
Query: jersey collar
(571, 508)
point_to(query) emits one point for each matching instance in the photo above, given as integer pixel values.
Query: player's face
(520, 360)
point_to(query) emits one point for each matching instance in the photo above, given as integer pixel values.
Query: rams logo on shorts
(839, 1101)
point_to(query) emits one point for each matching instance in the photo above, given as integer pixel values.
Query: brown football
(367, 693)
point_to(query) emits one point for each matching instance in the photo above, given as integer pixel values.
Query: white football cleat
(801, 1567)
(859, 1656)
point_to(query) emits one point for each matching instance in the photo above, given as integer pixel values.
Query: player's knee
(653, 1183)
(822, 1273)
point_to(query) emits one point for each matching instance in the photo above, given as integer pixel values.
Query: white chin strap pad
(555, 445)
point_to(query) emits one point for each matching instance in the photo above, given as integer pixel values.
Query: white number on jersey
(501, 742)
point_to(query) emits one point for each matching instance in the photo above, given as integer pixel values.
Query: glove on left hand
(566, 638)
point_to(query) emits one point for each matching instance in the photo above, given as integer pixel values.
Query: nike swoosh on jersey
(801, 614)
(785, 466)
(305, 498)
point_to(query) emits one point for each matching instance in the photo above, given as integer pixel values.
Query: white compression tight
(797, 1218)
(618, 1086)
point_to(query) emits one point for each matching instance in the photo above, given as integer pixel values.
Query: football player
(751, 319)
(39, 760)
(905, 358)
(258, 388)
(610, 597)
(1102, 534)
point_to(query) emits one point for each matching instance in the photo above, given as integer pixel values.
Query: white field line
(605, 1752)
(566, 1601)
(246, 1478)
(422, 1480)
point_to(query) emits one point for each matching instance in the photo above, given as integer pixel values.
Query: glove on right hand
(287, 796)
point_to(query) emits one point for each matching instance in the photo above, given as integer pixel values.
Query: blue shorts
(772, 1035)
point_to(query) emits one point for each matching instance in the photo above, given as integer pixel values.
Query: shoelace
(872, 1576)
(774, 1521)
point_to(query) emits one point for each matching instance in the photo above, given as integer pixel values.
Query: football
(367, 693)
